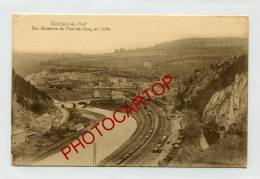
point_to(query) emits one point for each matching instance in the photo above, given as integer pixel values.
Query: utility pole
(172, 111)
(94, 154)
(172, 129)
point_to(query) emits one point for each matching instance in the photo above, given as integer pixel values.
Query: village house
(42, 123)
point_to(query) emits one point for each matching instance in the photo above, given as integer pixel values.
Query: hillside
(27, 95)
(214, 101)
(203, 46)
(226, 112)
(26, 63)
(201, 84)
(181, 55)
(27, 102)
(228, 106)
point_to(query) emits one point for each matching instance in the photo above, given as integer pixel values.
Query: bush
(236, 129)
(211, 131)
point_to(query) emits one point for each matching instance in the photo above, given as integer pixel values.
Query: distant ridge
(134, 58)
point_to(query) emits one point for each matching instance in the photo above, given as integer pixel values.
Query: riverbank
(40, 146)
(105, 145)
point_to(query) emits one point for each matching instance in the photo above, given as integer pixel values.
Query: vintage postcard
(129, 90)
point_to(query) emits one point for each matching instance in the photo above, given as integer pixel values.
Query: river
(105, 144)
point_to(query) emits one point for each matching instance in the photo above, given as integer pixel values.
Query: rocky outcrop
(228, 107)
(198, 88)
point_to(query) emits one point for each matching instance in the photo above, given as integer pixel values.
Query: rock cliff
(228, 106)
(198, 88)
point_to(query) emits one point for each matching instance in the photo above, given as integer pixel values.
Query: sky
(102, 34)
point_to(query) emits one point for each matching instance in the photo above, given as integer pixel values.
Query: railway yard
(150, 142)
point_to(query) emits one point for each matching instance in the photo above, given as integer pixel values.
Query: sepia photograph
(129, 91)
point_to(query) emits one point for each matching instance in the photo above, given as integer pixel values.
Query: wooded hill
(27, 95)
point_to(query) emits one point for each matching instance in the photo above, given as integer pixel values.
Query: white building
(78, 127)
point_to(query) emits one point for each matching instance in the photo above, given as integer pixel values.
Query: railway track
(151, 126)
(112, 159)
(143, 152)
